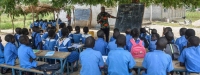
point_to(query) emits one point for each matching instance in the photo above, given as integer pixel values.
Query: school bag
(137, 50)
(173, 51)
(146, 42)
(48, 67)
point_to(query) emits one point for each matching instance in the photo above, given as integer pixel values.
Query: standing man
(102, 18)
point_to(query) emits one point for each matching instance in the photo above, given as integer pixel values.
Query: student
(153, 31)
(112, 45)
(120, 61)
(10, 50)
(115, 30)
(53, 23)
(181, 42)
(17, 35)
(166, 30)
(44, 25)
(128, 35)
(100, 43)
(1, 52)
(63, 43)
(50, 41)
(77, 36)
(85, 35)
(62, 25)
(91, 60)
(24, 31)
(144, 37)
(189, 33)
(70, 30)
(25, 54)
(152, 42)
(45, 35)
(189, 56)
(36, 39)
(157, 62)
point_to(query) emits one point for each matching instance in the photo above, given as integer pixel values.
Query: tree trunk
(32, 13)
(90, 17)
(24, 20)
(57, 26)
(54, 17)
(0, 23)
(12, 20)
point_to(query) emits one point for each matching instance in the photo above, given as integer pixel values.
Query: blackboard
(129, 16)
(82, 14)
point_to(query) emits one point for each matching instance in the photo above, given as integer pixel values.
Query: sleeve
(69, 43)
(101, 63)
(131, 61)
(31, 53)
(144, 63)
(1, 53)
(108, 15)
(14, 49)
(128, 46)
(98, 17)
(170, 65)
(182, 57)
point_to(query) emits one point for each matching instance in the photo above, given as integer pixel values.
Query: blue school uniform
(152, 46)
(24, 54)
(181, 42)
(49, 44)
(41, 23)
(119, 61)
(112, 45)
(157, 63)
(54, 24)
(37, 39)
(45, 35)
(129, 44)
(91, 62)
(44, 26)
(84, 36)
(112, 38)
(101, 45)
(189, 56)
(36, 24)
(59, 33)
(10, 54)
(63, 47)
(1, 54)
(147, 37)
(128, 37)
(77, 37)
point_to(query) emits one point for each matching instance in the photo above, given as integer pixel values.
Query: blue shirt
(152, 45)
(84, 36)
(1, 54)
(181, 42)
(63, 44)
(157, 63)
(112, 45)
(25, 53)
(10, 54)
(59, 33)
(36, 24)
(77, 37)
(37, 39)
(190, 56)
(119, 61)
(54, 24)
(129, 44)
(112, 38)
(91, 62)
(128, 37)
(147, 37)
(44, 26)
(101, 45)
(49, 44)
(45, 35)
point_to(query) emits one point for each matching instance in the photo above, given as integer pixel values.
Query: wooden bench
(17, 67)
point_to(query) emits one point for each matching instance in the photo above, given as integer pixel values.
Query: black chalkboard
(82, 14)
(129, 16)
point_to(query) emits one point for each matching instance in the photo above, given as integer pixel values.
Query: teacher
(102, 18)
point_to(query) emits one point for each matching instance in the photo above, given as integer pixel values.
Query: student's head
(51, 33)
(135, 33)
(189, 33)
(70, 28)
(128, 31)
(25, 31)
(143, 30)
(169, 36)
(193, 41)
(77, 29)
(64, 32)
(116, 30)
(10, 38)
(89, 42)
(36, 29)
(161, 43)
(182, 31)
(24, 40)
(62, 25)
(102, 9)
(121, 41)
(167, 29)
(53, 28)
(155, 37)
(153, 31)
(85, 30)
(18, 30)
(100, 34)
(116, 34)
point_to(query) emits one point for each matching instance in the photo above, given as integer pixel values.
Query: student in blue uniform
(26, 54)
(77, 35)
(158, 62)
(85, 35)
(50, 41)
(25, 31)
(45, 35)
(54, 23)
(44, 25)
(120, 61)
(63, 43)
(1, 52)
(10, 50)
(189, 33)
(62, 25)
(112, 45)
(91, 60)
(152, 42)
(37, 38)
(144, 37)
(189, 56)
(181, 41)
(115, 30)
(128, 35)
(135, 33)
(17, 35)
(70, 31)
(100, 43)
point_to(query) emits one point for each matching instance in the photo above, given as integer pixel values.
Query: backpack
(173, 51)
(48, 67)
(33, 41)
(137, 50)
(146, 42)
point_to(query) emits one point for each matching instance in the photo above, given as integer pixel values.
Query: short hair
(154, 31)
(24, 39)
(77, 28)
(135, 33)
(155, 37)
(194, 41)
(169, 36)
(64, 32)
(116, 30)
(182, 31)
(53, 28)
(100, 34)
(102, 7)
(189, 33)
(51, 33)
(18, 30)
(70, 28)
(169, 28)
(116, 34)
(85, 29)
(128, 31)
(121, 41)
(161, 42)
(25, 31)
(62, 25)
(9, 38)
(143, 30)
(89, 42)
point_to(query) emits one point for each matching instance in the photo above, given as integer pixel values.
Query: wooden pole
(90, 17)
(12, 17)
(0, 22)
(24, 20)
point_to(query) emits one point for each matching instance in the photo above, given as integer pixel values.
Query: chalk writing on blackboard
(82, 14)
